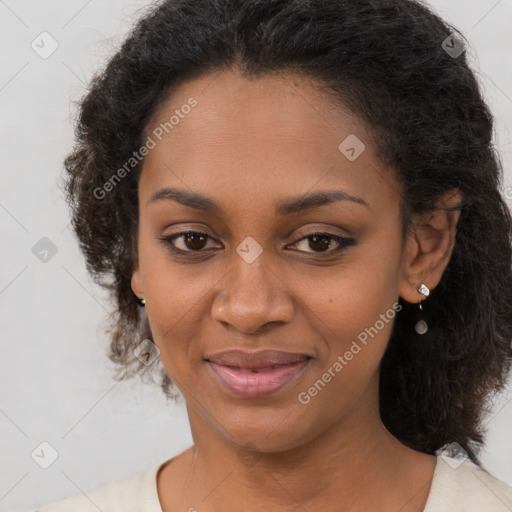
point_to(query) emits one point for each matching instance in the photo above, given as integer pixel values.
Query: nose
(252, 297)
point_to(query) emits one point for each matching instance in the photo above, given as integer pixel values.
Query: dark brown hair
(386, 60)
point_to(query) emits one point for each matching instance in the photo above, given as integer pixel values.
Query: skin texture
(250, 144)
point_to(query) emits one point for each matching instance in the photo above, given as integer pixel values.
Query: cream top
(456, 487)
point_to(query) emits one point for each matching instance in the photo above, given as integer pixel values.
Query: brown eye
(194, 241)
(321, 242)
(190, 241)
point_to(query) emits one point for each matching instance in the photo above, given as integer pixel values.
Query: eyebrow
(291, 205)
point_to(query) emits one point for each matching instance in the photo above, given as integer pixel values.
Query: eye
(320, 242)
(190, 241)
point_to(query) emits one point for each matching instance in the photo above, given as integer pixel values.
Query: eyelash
(343, 242)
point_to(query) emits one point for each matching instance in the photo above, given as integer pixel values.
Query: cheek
(171, 294)
(355, 327)
(175, 311)
(351, 298)
(353, 312)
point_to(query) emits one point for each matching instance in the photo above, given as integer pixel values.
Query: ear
(136, 283)
(429, 246)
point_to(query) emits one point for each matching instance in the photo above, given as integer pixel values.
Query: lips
(257, 361)
(256, 374)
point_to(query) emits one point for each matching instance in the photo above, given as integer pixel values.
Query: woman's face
(258, 278)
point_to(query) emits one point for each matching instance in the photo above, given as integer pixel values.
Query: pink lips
(256, 374)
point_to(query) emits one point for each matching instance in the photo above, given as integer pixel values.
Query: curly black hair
(388, 61)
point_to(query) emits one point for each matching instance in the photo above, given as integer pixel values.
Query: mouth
(256, 374)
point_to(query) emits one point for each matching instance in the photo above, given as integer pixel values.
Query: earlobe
(136, 283)
(409, 274)
(429, 246)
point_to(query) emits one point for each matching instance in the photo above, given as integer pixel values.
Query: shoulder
(460, 485)
(130, 494)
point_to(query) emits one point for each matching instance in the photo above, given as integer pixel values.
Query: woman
(296, 206)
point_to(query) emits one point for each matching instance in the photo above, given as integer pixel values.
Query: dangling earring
(421, 326)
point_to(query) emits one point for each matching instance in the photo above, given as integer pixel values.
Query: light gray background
(56, 383)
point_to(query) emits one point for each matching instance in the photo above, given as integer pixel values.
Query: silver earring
(143, 302)
(421, 326)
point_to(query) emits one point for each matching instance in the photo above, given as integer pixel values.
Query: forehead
(271, 136)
